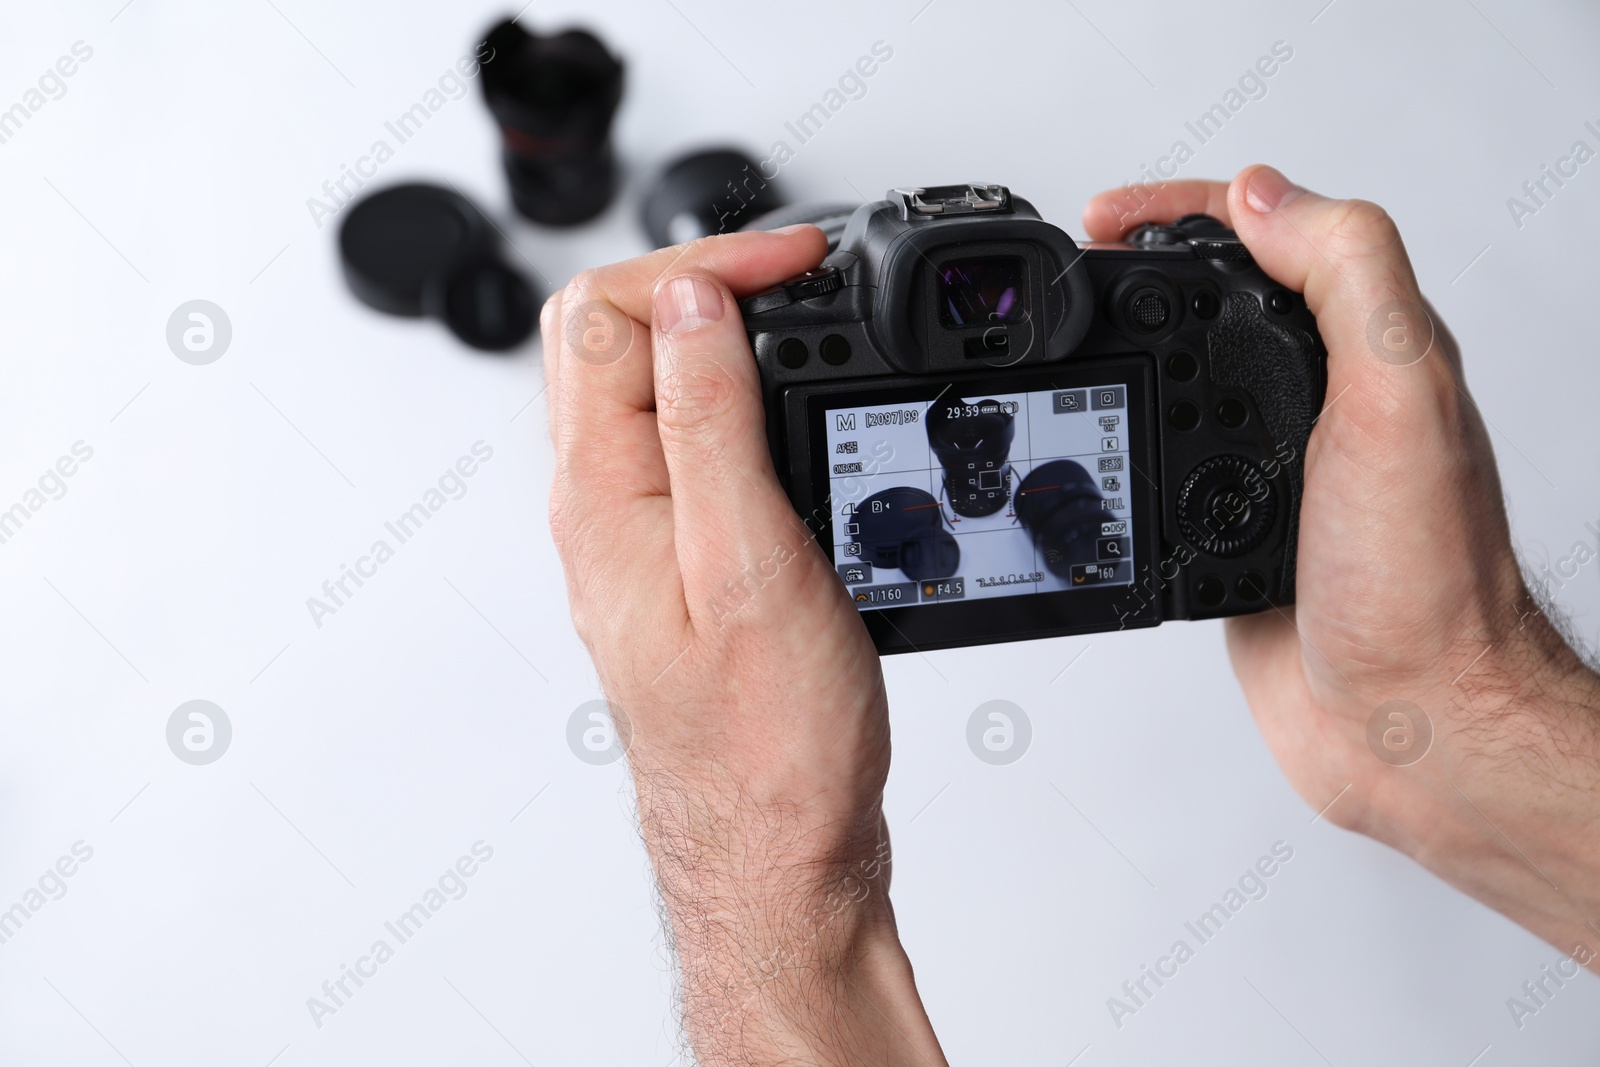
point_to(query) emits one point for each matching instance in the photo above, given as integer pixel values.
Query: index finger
(618, 380)
(1116, 211)
(748, 262)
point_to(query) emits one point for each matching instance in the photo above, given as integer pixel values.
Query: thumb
(1346, 256)
(732, 524)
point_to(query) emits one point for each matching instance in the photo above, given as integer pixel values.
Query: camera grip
(1278, 366)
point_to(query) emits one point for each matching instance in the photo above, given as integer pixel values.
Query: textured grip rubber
(1277, 366)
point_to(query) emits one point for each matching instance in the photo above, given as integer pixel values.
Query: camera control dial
(1226, 506)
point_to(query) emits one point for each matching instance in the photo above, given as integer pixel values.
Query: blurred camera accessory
(554, 98)
(420, 249)
(714, 191)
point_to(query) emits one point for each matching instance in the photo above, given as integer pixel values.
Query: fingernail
(796, 228)
(1267, 190)
(686, 302)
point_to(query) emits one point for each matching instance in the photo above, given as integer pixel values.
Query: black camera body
(999, 434)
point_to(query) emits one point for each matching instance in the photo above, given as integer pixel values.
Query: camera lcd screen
(966, 497)
(983, 289)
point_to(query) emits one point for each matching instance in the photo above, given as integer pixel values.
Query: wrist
(816, 983)
(815, 974)
(787, 951)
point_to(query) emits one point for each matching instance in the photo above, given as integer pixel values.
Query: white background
(370, 753)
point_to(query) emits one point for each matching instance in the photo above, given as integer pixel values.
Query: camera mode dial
(1206, 237)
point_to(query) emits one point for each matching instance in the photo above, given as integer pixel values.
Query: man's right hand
(1408, 587)
(750, 689)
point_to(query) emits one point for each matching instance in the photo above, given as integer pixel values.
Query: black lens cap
(421, 249)
(393, 241)
(703, 193)
(485, 303)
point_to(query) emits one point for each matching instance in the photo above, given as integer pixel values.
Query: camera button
(1232, 413)
(1223, 250)
(1182, 367)
(1108, 396)
(855, 573)
(835, 349)
(1069, 402)
(1251, 587)
(1112, 548)
(1184, 416)
(816, 282)
(1148, 310)
(1154, 234)
(993, 341)
(792, 353)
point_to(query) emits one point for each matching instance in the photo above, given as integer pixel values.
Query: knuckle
(585, 287)
(694, 394)
(552, 306)
(585, 281)
(550, 317)
(700, 245)
(576, 522)
(1360, 228)
(694, 254)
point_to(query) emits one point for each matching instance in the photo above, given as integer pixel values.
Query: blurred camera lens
(1059, 506)
(903, 529)
(554, 98)
(972, 442)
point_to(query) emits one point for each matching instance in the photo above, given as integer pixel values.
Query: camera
(998, 433)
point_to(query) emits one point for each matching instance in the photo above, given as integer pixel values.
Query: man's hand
(1408, 587)
(737, 667)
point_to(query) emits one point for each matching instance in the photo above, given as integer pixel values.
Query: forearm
(1510, 811)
